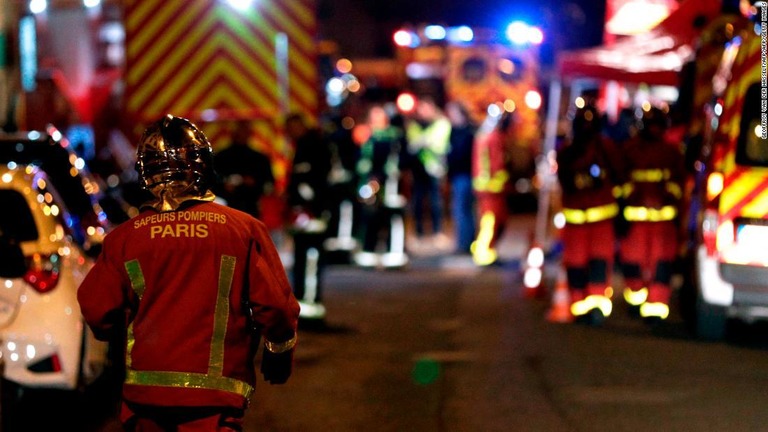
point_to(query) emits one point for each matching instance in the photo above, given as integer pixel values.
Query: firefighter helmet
(175, 159)
(586, 123)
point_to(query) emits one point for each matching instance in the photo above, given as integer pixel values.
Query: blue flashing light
(435, 32)
(517, 32)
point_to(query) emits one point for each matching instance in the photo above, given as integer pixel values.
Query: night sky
(363, 28)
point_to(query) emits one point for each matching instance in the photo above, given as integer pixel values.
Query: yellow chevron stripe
(203, 83)
(737, 191)
(139, 12)
(266, 52)
(302, 65)
(303, 92)
(189, 75)
(224, 96)
(758, 208)
(146, 35)
(176, 33)
(298, 9)
(296, 33)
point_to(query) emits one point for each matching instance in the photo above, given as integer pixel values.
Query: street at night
(445, 346)
(385, 216)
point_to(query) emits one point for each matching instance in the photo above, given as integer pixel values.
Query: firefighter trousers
(588, 251)
(493, 212)
(647, 258)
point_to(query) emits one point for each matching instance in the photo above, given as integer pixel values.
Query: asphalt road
(444, 346)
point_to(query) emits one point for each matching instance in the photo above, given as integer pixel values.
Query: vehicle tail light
(43, 272)
(715, 185)
(709, 227)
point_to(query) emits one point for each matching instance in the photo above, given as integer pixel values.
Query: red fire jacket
(656, 175)
(183, 279)
(588, 174)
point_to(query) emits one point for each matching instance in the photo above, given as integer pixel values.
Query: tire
(711, 321)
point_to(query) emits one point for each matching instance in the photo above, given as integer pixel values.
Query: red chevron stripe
(221, 52)
(733, 176)
(156, 22)
(304, 51)
(294, 9)
(221, 82)
(202, 40)
(736, 210)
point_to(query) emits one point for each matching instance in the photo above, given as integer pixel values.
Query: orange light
(715, 185)
(361, 133)
(406, 102)
(344, 65)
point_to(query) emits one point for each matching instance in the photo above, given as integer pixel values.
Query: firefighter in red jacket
(195, 285)
(588, 170)
(652, 197)
(490, 180)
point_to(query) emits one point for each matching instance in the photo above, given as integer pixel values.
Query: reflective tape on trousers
(592, 214)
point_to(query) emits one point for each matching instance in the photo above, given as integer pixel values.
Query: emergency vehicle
(119, 65)
(487, 71)
(729, 254)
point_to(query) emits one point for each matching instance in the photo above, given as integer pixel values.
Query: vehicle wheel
(711, 320)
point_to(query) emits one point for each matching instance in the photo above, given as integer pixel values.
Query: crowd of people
(405, 184)
(620, 200)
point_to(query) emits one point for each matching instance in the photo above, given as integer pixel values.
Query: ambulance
(730, 257)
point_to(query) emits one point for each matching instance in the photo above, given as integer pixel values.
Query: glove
(276, 368)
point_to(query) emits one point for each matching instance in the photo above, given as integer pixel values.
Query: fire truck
(730, 262)
(487, 71)
(116, 65)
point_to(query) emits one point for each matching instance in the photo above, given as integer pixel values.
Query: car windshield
(752, 147)
(16, 221)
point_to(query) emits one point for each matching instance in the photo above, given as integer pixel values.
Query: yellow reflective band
(593, 214)
(617, 191)
(658, 310)
(647, 214)
(674, 190)
(627, 189)
(136, 276)
(583, 307)
(635, 298)
(221, 315)
(650, 175)
(482, 253)
(281, 347)
(214, 379)
(495, 184)
(188, 380)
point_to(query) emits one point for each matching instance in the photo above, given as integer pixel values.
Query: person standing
(460, 174)
(652, 196)
(308, 201)
(383, 205)
(246, 174)
(589, 170)
(490, 183)
(194, 285)
(427, 136)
